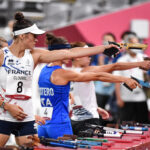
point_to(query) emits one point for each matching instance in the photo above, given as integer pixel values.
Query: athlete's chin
(31, 47)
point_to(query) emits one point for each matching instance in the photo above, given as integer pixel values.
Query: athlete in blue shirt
(54, 101)
(54, 84)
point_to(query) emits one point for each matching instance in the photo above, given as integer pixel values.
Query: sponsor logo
(11, 62)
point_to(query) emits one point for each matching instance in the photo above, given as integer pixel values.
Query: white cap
(33, 29)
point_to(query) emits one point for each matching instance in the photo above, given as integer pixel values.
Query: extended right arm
(45, 56)
(119, 66)
(68, 75)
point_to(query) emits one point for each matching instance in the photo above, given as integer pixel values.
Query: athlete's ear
(22, 36)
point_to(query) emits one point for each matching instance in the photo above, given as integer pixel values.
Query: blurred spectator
(125, 34)
(105, 90)
(8, 31)
(3, 42)
(132, 105)
(94, 58)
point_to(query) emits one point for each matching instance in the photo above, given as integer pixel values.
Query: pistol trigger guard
(135, 79)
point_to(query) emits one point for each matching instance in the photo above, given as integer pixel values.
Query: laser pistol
(141, 82)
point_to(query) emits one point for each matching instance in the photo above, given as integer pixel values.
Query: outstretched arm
(118, 66)
(69, 75)
(44, 56)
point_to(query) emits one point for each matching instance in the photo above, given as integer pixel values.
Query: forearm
(81, 52)
(116, 66)
(107, 77)
(127, 65)
(45, 56)
(119, 66)
(52, 56)
(101, 76)
(96, 69)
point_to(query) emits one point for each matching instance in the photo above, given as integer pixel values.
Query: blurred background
(52, 14)
(81, 20)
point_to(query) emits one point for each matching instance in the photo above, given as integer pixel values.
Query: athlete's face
(108, 38)
(84, 61)
(31, 40)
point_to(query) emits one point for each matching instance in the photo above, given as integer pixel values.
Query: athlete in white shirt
(132, 104)
(84, 92)
(17, 63)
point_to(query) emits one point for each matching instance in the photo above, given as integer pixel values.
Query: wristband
(3, 104)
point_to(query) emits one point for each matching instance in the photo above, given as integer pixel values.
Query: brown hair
(51, 39)
(20, 22)
(77, 44)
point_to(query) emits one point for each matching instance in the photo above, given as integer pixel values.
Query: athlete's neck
(17, 50)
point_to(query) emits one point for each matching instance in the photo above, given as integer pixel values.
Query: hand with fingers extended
(16, 111)
(145, 65)
(131, 84)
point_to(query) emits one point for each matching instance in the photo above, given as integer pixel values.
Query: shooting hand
(131, 83)
(145, 65)
(111, 50)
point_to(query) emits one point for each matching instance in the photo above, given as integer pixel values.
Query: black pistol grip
(135, 79)
(114, 43)
(127, 86)
(111, 51)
